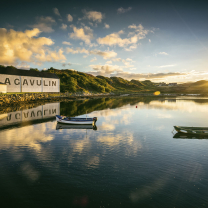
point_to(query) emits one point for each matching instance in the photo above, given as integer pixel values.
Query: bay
(131, 158)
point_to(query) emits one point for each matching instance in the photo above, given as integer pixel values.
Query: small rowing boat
(74, 120)
(192, 130)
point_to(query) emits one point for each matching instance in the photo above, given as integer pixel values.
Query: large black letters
(32, 82)
(53, 83)
(7, 81)
(25, 82)
(38, 84)
(15, 82)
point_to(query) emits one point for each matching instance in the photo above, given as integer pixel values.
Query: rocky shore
(29, 98)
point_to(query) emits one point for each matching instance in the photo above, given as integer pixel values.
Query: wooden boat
(69, 126)
(74, 120)
(192, 130)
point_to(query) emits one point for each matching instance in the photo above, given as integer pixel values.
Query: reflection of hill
(80, 107)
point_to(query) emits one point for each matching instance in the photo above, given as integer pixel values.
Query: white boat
(73, 120)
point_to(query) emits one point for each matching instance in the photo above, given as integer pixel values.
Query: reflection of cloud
(107, 126)
(30, 172)
(28, 136)
(182, 105)
(93, 162)
(149, 190)
(160, 115)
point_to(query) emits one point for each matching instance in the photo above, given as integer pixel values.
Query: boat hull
(192, 130)
(75, 121)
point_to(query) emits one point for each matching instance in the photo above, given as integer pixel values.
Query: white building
(18, 80)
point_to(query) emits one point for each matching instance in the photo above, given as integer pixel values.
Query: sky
(162, 41)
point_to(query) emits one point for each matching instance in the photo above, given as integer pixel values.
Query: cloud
(66, 64)
(163, 53)
(115, 39)
(85, 34)
(93, 15)
(149, 76)
(66, 43)
(94, 59)
(166, 66)
(44, 24)
(106, 26)
(108, 62)
(56, 12)
(131, 47)
(149, 41)
(63, 26)
(104, 54)
(25, 46)
(69, 18)
(105, 70)
(122, 10)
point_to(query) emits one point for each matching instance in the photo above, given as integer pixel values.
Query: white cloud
(85, 34)
(166, 66)
(56, 11)
(104, 54)
(105, 70)
(63, 26)
(94, 59)
(122, 10)
(149, 41)
(108, 62)
(93, 15)
(25, 46)
(44, 24)
(115, 39)
(66, 64)
(163, 53)
(69, 18)
(66, 43)
(106, 26)
(131, 47)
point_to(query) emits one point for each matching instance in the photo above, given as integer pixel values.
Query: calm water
(131, 160)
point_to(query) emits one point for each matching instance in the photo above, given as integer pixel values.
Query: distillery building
(18, 80)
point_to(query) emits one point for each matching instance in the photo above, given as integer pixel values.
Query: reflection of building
(38, 114)
(18, 80)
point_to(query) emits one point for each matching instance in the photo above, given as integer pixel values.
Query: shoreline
(7, 100)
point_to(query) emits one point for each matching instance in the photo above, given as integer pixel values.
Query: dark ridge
(21, 72)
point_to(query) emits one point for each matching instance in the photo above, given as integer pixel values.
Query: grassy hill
(74, 81)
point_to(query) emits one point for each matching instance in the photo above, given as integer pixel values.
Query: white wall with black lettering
(17, 83)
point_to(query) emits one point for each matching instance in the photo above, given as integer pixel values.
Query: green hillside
(74, 81)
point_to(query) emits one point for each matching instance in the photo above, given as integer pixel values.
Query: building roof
(22, 72)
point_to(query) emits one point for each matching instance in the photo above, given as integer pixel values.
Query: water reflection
(131, 160)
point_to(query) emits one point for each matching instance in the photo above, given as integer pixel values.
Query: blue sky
(156, 40)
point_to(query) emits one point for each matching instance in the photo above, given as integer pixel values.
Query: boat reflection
(189, 136)
(68, 126)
